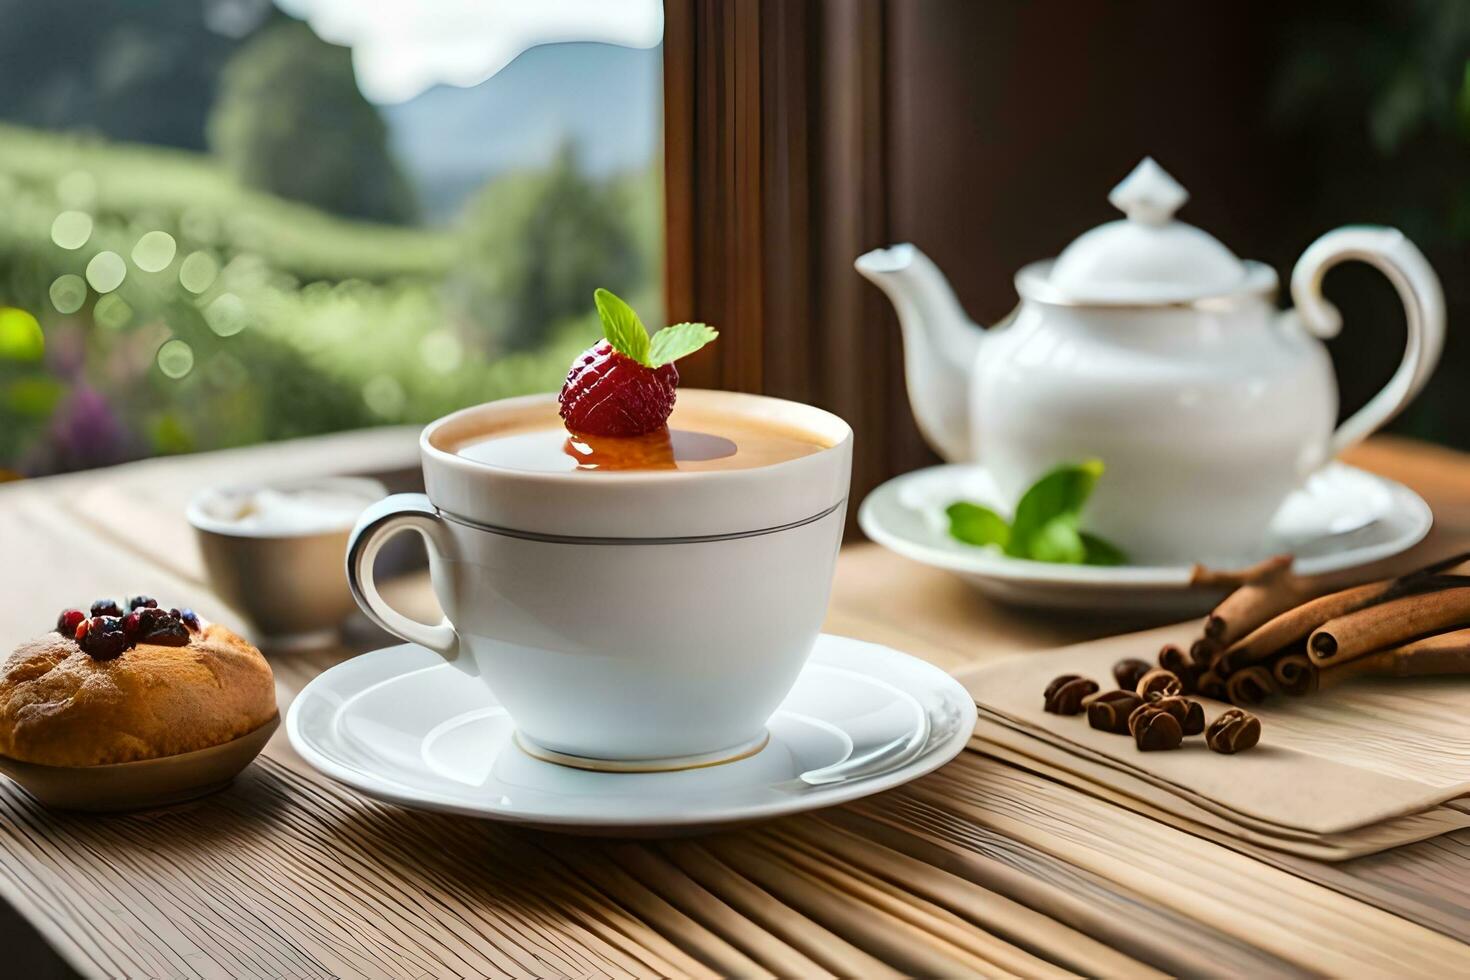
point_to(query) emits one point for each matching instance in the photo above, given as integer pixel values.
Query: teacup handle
(1388, 251)
(384, 519)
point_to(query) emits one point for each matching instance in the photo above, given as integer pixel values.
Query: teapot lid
(1148, 257)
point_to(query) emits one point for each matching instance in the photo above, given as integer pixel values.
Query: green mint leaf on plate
(1046, 524)
(977, 525)
(1100, 552)
(621, 327)
(672, 343)
(1058, 541)
(1060, 492)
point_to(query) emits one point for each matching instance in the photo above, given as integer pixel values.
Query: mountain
(605, 99)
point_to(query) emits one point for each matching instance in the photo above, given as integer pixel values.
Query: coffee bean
(1063, 696)
(1109, 711)
(1159, 683)
(1234, 731)
(1154, 729)
(1189, 714)
(1128, 672)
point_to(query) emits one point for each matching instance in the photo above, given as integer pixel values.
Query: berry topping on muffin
(158, 627)
(109, 633)
(69, 620)
(625, 384)
(106, 607)
(103, 638)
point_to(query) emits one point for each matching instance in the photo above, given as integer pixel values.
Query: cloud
(400, 48)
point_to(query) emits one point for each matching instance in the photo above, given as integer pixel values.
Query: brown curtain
(776, 181)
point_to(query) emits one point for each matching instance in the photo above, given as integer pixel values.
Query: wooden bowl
(139, 785)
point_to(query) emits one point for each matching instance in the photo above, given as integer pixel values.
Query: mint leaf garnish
(1058, 541)
(976, 524)
(672, 343)
(1100, 552)
(621, 326)
(1045, 527)
(627, 335)
(1061, 491)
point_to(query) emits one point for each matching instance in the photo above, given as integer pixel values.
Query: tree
(142, 72)
(536, 245)
(290, 120)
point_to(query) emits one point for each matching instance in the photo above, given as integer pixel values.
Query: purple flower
(85, 432)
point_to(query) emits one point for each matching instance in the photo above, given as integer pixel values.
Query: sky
(403, 48)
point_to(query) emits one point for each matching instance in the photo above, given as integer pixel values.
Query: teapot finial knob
(1148, 194)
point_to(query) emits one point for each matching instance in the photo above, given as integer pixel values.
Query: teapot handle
(1388, 251)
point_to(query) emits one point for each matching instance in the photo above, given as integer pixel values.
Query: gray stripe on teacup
(689, 539)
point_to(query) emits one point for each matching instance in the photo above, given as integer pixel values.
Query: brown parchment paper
(1196, 815)
(1331, 763)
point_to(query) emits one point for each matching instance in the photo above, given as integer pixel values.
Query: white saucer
(1344, 517)
(401, 725)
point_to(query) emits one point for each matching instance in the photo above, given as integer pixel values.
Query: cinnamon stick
(1439, 567)
(1263, 591)
(1294, 674)
(1211, 685)
(1250, 686)
(1172, 658)
(1295, 625)
(1234, 578)
(1386, 624)
(1442, 653)
(1298, 620)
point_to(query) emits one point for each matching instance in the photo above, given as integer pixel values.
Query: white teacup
(641, 619)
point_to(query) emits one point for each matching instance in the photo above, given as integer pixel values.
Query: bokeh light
(175, 358)
(112, 312)
(441, 351)
(106, 271)
(226, 315)
(197, 271)
(154, 251)
(71, 229)
(21, 338)
(68, 293)
(384, 396)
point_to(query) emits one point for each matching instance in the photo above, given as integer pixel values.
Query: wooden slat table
(980, 869)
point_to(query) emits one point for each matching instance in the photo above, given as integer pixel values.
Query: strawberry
(625, 384)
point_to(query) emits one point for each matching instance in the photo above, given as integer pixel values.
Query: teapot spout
(940, 344)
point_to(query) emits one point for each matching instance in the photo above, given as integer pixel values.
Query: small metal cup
(290, 585)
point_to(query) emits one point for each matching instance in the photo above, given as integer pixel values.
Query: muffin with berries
(125, 683)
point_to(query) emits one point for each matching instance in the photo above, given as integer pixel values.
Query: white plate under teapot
(1342, 518)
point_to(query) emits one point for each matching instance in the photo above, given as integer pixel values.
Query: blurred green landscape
(155, 299)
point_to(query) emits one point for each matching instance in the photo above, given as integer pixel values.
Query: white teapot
(1148, 345)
